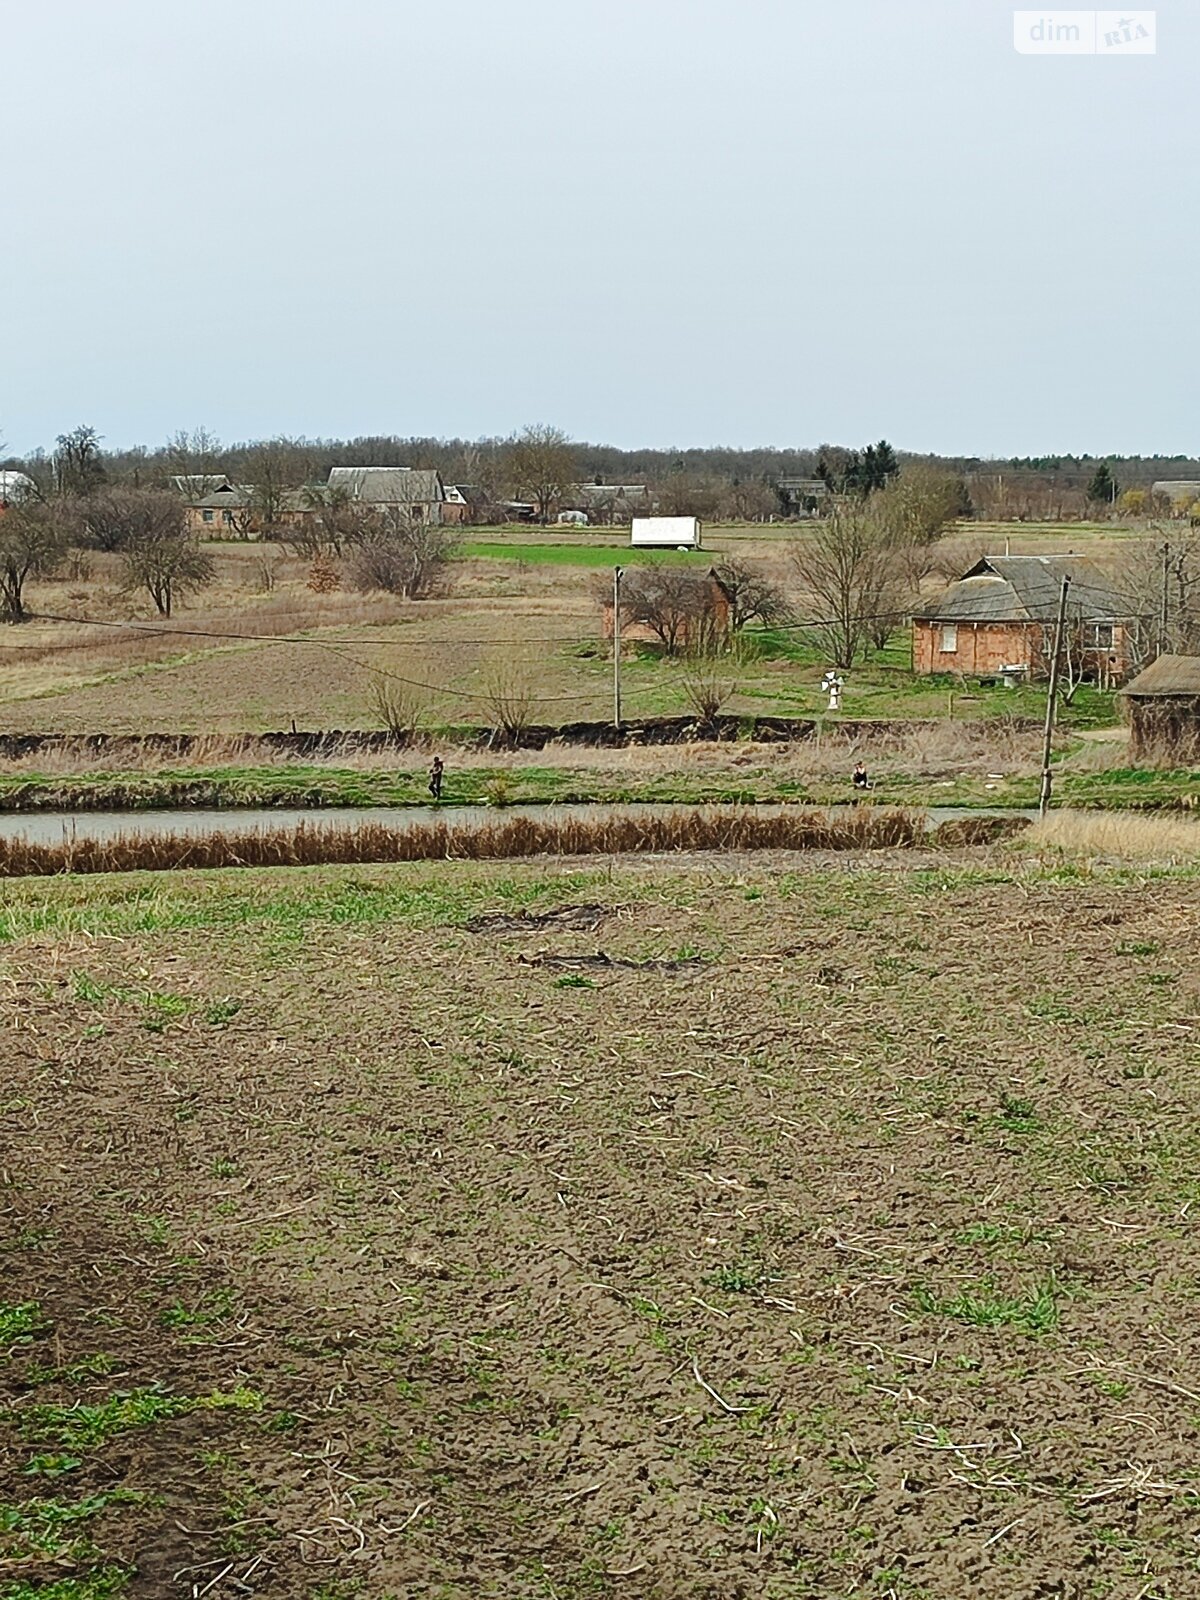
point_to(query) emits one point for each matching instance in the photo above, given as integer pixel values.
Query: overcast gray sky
(648, 221)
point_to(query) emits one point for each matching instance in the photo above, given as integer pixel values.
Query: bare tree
(33, 539)
(542, 464)
(397, 553)
(483, 466)
(274, 470)
(753, 596)
(510, 697)
(679, 607)
(914, 511)
(688, 494)
(78, 462)
(748, 501)
(865, 564)
(115, 518)
(847, 565)
(399, 707)
(919, 506)
(332, 520)
(163, 558)
(706, 687)
(1159, 582)
(196, 456)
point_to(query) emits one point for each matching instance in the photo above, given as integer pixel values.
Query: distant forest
(715, 480)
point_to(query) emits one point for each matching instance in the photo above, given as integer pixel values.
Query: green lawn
(759, 781)
(576, 555)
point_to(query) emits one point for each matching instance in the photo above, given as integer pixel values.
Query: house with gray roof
(416, 490)
(1181, 492)
(998, 621)
(216, 506)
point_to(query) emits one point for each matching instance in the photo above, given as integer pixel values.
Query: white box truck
(679, 533)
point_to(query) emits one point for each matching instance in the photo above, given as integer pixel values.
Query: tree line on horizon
(715, 482)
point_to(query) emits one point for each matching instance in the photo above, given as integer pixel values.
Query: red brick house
(998, 621)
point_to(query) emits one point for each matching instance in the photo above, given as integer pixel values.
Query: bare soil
(831, 1237)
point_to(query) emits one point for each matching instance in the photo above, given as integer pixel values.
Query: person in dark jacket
(435, 778)
(859, 777)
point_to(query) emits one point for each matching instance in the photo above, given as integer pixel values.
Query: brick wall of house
(979, 648)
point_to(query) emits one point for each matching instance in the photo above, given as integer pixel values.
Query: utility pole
(617, 573)
(1162, 599)
(1052, 700)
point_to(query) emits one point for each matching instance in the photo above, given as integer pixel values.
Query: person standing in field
(435, 778)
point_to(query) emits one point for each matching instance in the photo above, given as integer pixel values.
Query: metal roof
(615, 491)
(1025, 589)
(1169, 675)
(14, 484)
(1177, 488)
(199, 482)
(226, 495)
(388, 486)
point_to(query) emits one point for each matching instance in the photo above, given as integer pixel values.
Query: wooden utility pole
(1052, 700)
(617, 571)
(1162, 599)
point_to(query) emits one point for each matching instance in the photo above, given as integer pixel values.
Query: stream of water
(52, 827)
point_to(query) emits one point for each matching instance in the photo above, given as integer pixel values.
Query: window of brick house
(227, 518)
(949, 638)
(206, 516)
(1100, 636)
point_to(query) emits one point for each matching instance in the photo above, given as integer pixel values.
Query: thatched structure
(1163, 707)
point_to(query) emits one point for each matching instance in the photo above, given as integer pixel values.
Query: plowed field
(792, 1229)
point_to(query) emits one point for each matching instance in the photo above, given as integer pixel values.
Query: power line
(338, 649)
(320, 644)
(305, 638)
(276, 638)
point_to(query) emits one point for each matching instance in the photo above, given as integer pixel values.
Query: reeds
(863, 828)
(1116, 834)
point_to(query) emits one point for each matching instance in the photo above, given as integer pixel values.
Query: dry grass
(862, 828)
(949, 749)
(943, 749)
(1109, 754)
(1120, 835)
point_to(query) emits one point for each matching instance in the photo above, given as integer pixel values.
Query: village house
(998, 621)
(608, 502)
(465, 502)
(803, 497)
(216, 507)
(417, 491)
(1183, 494)
(1162, 705)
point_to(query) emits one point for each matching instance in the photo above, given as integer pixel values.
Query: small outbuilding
(1163, 707)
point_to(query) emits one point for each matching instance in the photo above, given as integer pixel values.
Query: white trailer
(680, 533)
